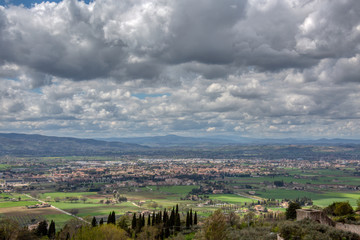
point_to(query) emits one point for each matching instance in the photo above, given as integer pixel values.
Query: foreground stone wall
(315, 215)
(322, 218)
(348, 227)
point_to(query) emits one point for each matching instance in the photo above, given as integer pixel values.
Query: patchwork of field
(323, 187)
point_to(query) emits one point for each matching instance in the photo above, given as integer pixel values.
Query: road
(63, 211)
(246, 196)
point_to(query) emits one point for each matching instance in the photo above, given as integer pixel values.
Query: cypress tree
(148, 223)
(153, 219)
(177, 209)
(52, 230)
(133, 222)
(94, 222)
(67, 236)
(177, 222)
(195, 218)
(167, 232)
(191, 218)
(101, 222)
(172, 218)
(165, 217)
(162, 234)
(109, 219)
(158, 220)
(143, 221)
(113, 218)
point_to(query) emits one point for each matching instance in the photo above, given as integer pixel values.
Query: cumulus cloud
(256, 68)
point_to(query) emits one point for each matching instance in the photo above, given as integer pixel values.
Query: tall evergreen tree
(101, 222)
(148, 221)
(153, 219)
(143, 221)
(177, 222)
(172, 218)
(94, 222)
(195, 218)
(162, 234)
(165, 216)
(52, 230)
(167, 232)
(109, 219)
(113, 217)
(177, 209)
(133, 222)
(190, 218)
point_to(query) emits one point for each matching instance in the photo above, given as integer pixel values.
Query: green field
(59, 219)
(63, 195)
(4, 167)
(231, 198)
(322, 199)
(178, 190)
(7, 204)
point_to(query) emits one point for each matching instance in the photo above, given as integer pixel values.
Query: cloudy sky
(115, 68)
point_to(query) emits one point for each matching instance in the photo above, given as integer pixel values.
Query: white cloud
(260, 68)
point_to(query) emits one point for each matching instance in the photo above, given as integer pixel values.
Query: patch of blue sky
(29, 3)
(146, 95)
(37, 90)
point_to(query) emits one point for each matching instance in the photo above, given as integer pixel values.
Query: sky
(110, 68)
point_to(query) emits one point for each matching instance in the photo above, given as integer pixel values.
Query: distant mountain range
(39, 145)
(179, 141)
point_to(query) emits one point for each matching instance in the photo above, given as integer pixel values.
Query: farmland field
(231, 198)
(9, 204)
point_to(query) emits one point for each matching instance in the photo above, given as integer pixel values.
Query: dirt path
(247, 196)
(135, 204)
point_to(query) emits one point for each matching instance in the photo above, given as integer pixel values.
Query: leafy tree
(74, 211)
(108, 231)
(41, 229)
(233, 219)
(343, 208)
(149, 233)
(291, 210)
(339, 209)
(25, 234)
(124, 223)
(215, 227)
(8, 228)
